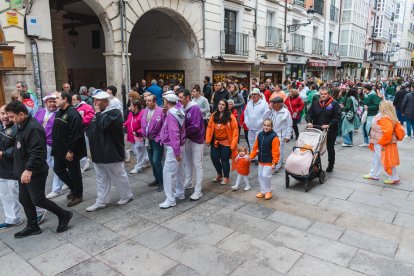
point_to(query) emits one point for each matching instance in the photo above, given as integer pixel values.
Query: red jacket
(133, 126)
(267, 95)
(241, 121)
(87, 113)
(295, 105)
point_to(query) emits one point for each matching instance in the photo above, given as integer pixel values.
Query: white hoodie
(253, 115)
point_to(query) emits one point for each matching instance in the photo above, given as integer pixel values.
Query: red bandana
(327, 102)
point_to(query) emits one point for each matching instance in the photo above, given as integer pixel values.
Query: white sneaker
(346, 145)
(86, 165)
(135, 171)
(65, 187)
(234, 187)
(166, 204)
(363, 145)
(124, 201)
(95, 207)
(196, 196)
(53, 194)
(188, 187)
(181, 197)
(127, 156)
(247, 188)
(146, 164)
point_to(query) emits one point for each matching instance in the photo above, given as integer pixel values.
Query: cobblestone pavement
(347, 226)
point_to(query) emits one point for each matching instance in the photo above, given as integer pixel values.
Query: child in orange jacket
(267, 148)
(242, 164)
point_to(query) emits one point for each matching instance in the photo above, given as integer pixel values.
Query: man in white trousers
(9, 187)
(46, 117)
(282, 125)
(106, 142)
(253, 115)
(173, 139)
(194, 143)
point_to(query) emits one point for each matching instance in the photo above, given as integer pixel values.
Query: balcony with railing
(299, 2)
(298, 42)
(334, 14)
(317, 46)
(233, 43)
(273, 37)
(333, 49)
(318, 6)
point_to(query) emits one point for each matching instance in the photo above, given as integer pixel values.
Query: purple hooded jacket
(39, 116)
(194, 123)
(152, 130)
(173, 130)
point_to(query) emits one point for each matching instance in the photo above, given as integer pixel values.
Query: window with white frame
(397, 10)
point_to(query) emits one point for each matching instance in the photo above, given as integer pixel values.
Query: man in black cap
(30, 167)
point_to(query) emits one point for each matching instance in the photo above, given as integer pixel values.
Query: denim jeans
(155, 152)
(401, 118)
(367, 128)
(410, 126)
(347, 137)
(220, 157)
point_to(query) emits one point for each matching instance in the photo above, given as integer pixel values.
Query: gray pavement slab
(13, 265)
(90, 267)
(59, 259)
(294, 221)
(252, 268)
(181, 270)
(256, 210)
(131, 258)
(326, 230)
(310, 244)
(157, 237)
(203, 258)
(129, 225)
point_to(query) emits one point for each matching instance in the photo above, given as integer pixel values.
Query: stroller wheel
(322, 177)
(287, 181)
(306, 187)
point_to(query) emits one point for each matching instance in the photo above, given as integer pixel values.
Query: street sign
(16, 4)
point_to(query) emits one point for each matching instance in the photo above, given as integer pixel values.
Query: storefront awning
(272, 63)
(317, 63)
(334, 63)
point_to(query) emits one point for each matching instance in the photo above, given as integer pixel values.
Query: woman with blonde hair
(386, 130)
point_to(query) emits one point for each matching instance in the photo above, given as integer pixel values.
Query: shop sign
(317, 63)
(12, 18)
(255, 71)
(378, 56)
(334, 63)
(16, 4)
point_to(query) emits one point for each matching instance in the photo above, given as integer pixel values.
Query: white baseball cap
(170, 96)
(49, 96)
(101, 95)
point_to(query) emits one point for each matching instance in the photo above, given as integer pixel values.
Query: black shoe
(329, 168)
(75, 201)
(160, 189)
(64, 222)
(70, 196)
(28, 231)
(153, 184)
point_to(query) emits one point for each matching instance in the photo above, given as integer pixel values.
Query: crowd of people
(168, 128)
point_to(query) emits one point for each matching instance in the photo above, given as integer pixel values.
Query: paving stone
(203, 258)
(403, 219)
(298, 195)
(90, 267)
(131, 258)
(129, 225)
(91, 236)
(244, 223)
(290, 220)
(374, 264)
(332, 191)
(312, 245)
(111, 212)
(228, 202)
(205, 210)
(405, 253)
(251, 268)
(4, 249)
(59, 259)
(260, 252)
(308, 266)
(326, 230)
(411, 196)
(395, 193)
(181, 270)
(157, 237)
(11, 264)
(370, 243)
(35, 245)
(256, 210)
(198, 228)
(359, 209)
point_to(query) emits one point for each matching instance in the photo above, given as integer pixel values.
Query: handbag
(349, 115)
(364, 117)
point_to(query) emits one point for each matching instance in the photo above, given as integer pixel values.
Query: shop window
(167, 76)
(237, 77)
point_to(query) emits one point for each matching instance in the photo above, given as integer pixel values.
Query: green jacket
(372, 101)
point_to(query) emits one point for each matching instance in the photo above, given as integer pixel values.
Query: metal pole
(124, 71)
(286, 11)
(36, 70)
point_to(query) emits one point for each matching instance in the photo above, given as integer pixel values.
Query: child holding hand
(242, 164)
(266, 148)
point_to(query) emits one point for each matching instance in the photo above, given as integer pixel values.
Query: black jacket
(106, 137)
(218, 96)
(29, 152)
(265, 140)
(7, 139)
(329, 115)
(68, 134)
(207, 91)
(407, 107)
(399, 97)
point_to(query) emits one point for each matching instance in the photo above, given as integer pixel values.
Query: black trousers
(70, 173)
(33, 194)
(330, 145)
(295, 128)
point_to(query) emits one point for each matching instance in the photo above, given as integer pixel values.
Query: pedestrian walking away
(106, 141)
(30, 167)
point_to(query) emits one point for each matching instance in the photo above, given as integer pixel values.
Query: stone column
(113, 63)
(58, 33)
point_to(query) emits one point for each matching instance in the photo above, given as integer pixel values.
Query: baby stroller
(304, 163)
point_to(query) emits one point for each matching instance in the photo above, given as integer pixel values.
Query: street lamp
(294, 27)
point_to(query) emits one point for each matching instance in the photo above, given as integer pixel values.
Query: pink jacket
(133, 125)
(87, 113)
